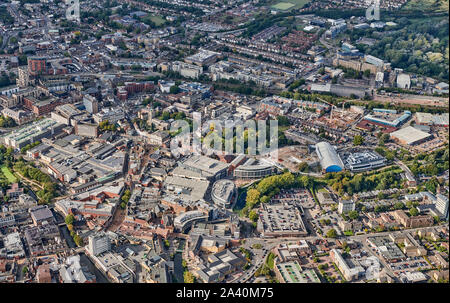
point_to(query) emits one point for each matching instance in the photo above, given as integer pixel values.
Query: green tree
(358, 140)
(353, 215)
(188, 277)
(332, 233)
(69, 219)
(253, 216)
(78, 240)
(413, 211)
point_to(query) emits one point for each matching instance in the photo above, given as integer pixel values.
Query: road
(269, 244)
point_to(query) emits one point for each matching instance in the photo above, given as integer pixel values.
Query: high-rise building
(24, 78)
(99, 243)
(91, 104)
(442, 205)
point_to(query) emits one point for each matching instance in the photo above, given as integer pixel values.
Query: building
(73, 272)
(206, 167)
(184, 221)
(37, 65)
(346, 206)
(404, 81)
(12, 246)
(410, 136)
(219, 265)
(413, 222)
(159, 138)
(292, 272)
(350, 273)
(98, 244)
(203, 58)
(43, 274)
(329, 158)
(441, 206)
(19, 116)
(24, 79)
(280, 220)
(86, 130)
(44, 239)
(254, 169)
(386, 248)
(388, 117)
(224, 193)
(187, 70)
(90, 103)
(362, 161)
(41, 215)
(31, 133)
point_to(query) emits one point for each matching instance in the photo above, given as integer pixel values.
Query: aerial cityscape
(224, 141)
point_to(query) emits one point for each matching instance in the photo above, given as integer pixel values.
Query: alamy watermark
(373, 11)
(73, 11)
(225, 137)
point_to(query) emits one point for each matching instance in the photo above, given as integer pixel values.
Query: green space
(8, 174)
(158, 20)
(416, 44)
(283, 6)
(290, 4)
(427, 5)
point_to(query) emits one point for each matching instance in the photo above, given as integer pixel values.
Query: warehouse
(328, 157)
(410, 136)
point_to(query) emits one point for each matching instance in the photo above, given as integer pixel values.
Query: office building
(98, 244)
(346, 206)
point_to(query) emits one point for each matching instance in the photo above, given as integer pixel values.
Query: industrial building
(410, 136)
(388, 117)
(329, 158)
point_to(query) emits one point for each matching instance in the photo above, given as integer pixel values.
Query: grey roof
(328, 156)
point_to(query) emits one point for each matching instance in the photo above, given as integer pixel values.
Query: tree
(188, 277)
(252, 196)
(253, 216)
(69, 219)
(78, 240)
(399, 205)
(413, 211)
(353, 215)
(165, 116)
(358, 140)
(303, 167)
(174, 89)
(332, 233)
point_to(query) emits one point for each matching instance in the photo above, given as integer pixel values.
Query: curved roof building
(328, 157)
(224, 192)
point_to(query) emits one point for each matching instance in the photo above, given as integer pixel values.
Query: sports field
(290, 4)
(11, 178)
(283, 6)
(158, 20)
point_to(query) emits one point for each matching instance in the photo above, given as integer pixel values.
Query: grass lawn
(11, 178)
(283, 6)
(290, 4)
(158, 20)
